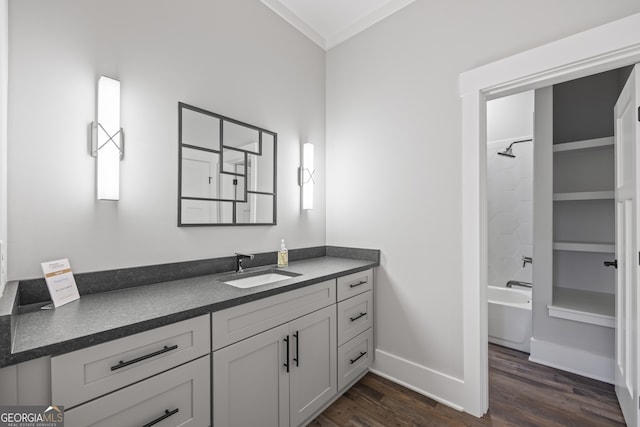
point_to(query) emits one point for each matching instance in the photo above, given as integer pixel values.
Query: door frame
(602, 48)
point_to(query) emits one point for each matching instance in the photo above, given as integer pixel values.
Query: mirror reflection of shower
(510, 219)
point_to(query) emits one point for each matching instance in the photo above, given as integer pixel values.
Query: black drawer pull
(122, 364)
(613, 263)
(167, 414)
(362, 282)
(362, 353)
(353, 319)
(297, 358)
(286, 364)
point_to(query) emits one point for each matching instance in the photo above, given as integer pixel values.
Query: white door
(196, 182)
(314, 369)
(626, 131)
(251, 383)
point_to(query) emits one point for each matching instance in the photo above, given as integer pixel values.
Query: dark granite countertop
(101, 317)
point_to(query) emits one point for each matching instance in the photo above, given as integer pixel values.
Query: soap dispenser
(283, 255)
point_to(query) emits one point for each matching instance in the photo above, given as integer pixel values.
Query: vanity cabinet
(245, 320)
(279, 364)
(279, 377)
(178, 397)
(279, 361)
(275, 361)
(159, 375)
(91, 372)
(355, 327)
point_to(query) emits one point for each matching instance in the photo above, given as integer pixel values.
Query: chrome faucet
(512, 283)
(525, 260)
(239, 259)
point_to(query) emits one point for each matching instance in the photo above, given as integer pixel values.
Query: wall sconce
(107, 140)
(306, 176)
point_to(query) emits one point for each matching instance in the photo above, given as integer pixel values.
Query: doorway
(573, 304)
(603, 48)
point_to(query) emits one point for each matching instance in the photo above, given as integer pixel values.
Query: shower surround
(509, 211)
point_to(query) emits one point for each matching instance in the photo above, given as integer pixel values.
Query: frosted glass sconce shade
(307, 172)
(107, 142)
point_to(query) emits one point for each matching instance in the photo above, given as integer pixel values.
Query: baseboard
(526, 347)
(436, 385)
(573, 360)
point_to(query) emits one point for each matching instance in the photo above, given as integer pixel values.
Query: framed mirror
(226, 170)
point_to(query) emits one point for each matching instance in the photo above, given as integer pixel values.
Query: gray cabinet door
(313, 374)
(251, 383)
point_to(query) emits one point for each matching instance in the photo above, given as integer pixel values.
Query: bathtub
(510, 317)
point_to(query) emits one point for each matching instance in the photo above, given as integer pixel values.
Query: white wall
(234, 57)
(510, 188)
(393, 104)
(4, 53)
(510, 117)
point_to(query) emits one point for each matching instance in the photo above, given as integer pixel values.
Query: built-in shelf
(585, 247)
(584, 195)
(588, 144)
(597, 308)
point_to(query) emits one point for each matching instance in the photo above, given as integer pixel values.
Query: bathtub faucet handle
(525, 260)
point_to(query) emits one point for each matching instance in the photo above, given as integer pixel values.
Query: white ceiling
(330, 22)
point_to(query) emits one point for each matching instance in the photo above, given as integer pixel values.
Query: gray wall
(583, 108)
(234, 57)
(393, 103)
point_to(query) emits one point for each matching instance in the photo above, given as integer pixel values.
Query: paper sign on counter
(62, 286)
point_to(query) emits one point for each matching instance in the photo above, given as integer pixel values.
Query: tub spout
(512, 283)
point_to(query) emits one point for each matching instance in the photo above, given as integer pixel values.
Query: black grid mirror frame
(227, 170)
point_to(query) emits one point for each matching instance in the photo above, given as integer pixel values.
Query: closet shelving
(584, 195)
(587, 144)
(583, 227)
(583, 306)
(584, 247)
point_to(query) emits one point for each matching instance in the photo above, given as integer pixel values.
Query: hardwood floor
(521, 393)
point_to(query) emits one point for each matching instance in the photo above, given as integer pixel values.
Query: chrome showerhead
(508, 152)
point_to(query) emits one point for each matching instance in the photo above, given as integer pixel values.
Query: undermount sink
(259, 279)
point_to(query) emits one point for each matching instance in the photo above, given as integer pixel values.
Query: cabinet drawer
(180, 395)
(354, 357)
(240, 322)
(355, 284)
(91, 372)
(355, 315)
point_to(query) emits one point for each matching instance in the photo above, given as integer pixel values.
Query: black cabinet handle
(362, 353)
(297, 358)
(613, 263)
(166, 415)
(286, 364)
(122, 364)
(362, 282)
(353, 319)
